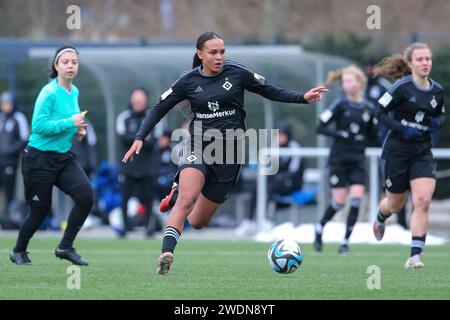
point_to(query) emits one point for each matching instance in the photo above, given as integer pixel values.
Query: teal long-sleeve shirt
(52, 126)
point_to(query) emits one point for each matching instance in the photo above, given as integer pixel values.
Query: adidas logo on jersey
(412, 99)
(35, 198)
(199, 89)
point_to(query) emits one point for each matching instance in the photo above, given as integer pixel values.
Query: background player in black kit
(417, 105)
(136, 179)
(376, 87)
(215, 89)
(355, 129)
(14, 132)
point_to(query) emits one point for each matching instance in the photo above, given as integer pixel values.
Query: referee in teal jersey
(47, 161)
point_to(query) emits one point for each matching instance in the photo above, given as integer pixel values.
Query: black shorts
(398, 170)
(220, 179)
(344, 174)
(42, 170)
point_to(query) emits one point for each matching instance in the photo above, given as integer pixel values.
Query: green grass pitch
(125, 269)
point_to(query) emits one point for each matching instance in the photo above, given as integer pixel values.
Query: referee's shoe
(169, 201)
(70, 255)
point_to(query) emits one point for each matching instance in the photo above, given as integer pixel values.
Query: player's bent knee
(85, 199)
(186, 202)
(40, 208)
(196, 224)
(394, 208)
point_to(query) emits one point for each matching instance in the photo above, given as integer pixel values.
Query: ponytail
(336, 75)
(196, 61)
(200, 43)
(392, 67)
(333, 76)
(396, 66)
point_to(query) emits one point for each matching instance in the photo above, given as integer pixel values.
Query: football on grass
(285, 256)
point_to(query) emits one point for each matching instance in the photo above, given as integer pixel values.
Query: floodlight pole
(321, 162)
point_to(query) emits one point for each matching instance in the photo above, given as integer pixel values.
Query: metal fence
(373, 155)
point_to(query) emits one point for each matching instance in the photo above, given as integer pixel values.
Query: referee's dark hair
(200, 42)
(53, 72)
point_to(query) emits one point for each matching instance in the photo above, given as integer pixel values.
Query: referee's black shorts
(42, 170)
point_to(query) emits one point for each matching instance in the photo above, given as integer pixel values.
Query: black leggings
(41, 171)
(141, 188)
(8, 182)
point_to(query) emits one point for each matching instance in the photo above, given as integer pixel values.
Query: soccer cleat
(169, 201)
(378, 229)
(20, 258)
(344, 250)
(318, 242)
(414, 262)
(165, 260)
(70, 255)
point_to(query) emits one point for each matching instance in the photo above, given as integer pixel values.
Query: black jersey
(356, 128)
(376, 87)
(127, 125)
(14, 132)
(410, 106)
(218, 101)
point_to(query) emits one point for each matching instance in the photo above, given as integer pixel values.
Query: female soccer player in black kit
(417, 105)
(215, 89)
(355, 129)
(47, 161)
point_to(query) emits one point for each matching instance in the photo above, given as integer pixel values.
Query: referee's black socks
(170, 239)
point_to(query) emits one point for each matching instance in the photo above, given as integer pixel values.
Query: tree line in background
(264, 21)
